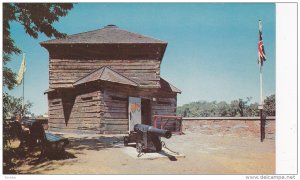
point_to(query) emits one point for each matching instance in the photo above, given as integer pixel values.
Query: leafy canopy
(35, 18)
(12, 106)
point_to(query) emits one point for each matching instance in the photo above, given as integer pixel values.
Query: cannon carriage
(147, 138)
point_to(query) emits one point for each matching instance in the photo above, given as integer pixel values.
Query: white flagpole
(260, 107)
(23, 103)
(260, 78)
(260, 69)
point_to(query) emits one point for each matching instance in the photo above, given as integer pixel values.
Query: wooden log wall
(64, 72)
(138, 51)
(102, 107)
(75, 112)
(115, 104)
(115, 100)
(167, 107)
(55, 112)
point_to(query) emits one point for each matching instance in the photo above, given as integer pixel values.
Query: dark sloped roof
(110, 34)
(106, 74)
(166, 86)
(49, 90)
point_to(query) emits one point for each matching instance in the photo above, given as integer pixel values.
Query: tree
(223, 109)
(11, 107)
(238, 107)
(252, 110)
(203, 109)
(270, 105)
(35, 18)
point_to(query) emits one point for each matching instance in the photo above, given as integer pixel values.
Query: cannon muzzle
(154, 131)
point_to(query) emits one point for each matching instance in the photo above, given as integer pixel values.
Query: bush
(235, 108)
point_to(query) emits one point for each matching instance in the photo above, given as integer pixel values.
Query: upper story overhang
(109, 42)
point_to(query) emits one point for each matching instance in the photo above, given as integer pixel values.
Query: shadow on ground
(34, 163)
(31, 157)
(95, 143)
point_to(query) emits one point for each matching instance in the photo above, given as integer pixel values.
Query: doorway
(146, 111)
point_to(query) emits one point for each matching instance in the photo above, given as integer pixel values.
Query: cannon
(147, 138)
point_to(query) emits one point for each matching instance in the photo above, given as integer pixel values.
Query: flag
(21, 71)
(261, 50)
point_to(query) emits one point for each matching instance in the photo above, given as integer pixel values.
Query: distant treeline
(236, 108)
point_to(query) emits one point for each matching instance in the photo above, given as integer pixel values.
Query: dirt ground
(205, 154)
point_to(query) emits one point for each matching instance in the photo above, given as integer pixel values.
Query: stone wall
(243, 126)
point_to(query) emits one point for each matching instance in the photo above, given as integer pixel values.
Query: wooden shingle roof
(110, 34)
(106, 74)
(166, 86)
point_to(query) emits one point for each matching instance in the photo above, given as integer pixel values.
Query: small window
(163, 102)
(55, 102)
(118, 98)
(87, 98)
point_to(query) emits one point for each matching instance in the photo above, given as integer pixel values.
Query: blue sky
(211, 52)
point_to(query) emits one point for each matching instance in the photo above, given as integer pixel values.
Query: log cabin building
(103, 81)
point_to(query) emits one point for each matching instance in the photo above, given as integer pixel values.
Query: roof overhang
(106, 35)
(166, 86)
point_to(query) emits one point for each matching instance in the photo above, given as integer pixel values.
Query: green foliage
(203, 109)
(239, 107)
(9, 78)
(35, 18)
(236, 108)
(11, 107)
(270, 105)
(252, 110)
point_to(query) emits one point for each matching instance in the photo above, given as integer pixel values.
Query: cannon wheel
(139, 147)
(126, 140)
(157, 143)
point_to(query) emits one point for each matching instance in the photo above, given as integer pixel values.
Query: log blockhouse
(92, 76)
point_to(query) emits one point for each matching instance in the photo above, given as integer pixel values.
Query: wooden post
(262, 126)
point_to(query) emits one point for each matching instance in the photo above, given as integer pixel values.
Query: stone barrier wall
(242, 126)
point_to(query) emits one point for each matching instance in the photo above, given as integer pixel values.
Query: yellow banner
(21, 71)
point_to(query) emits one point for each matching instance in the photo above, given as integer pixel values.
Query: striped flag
(21, 71)
(261, 51)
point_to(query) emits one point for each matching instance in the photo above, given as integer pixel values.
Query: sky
(211, 53)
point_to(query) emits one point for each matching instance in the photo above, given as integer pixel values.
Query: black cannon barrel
(155, 131)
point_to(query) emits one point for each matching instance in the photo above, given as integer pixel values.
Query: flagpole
(23, 93)
(262, 122)
(261, 91)
(261, 105)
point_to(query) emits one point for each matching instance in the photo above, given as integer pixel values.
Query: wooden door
(134, 112)
(146, 111)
